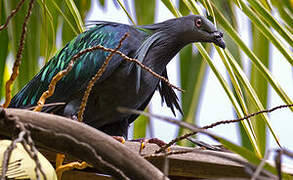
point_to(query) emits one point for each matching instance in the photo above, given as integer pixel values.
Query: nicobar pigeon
(123, 84)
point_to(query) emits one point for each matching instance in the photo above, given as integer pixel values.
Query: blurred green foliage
(246, 94)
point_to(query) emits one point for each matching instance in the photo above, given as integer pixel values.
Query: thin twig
(287, 153)
(52, 86)
(278, 160)
(145, 68)
(13, 12)
(33, 153)
(47, 105)
(177, 139)
(25, 139)
(62, 73)
(168, 119)
(167, 153)
(95, 78)
(206, 146)
(15, 69)
(7, 154)
(166, 166)
(259, 168)
(192, 126)
(247, 117)
(141, 65)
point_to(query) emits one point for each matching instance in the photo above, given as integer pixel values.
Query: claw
(66, 167)
(144, 141)
(59, 159)
(70, 166)
(119, 138)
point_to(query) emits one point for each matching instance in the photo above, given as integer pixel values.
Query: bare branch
(260, 166)
(168, 119)
(62, 73)
(248, 116)
(33, 153)
(145, 68)
(25, 139)
(17, 61)
(80, 140)
(168, 153)
(95, 78)
(195, 129)
(7, 154)
(13, 12)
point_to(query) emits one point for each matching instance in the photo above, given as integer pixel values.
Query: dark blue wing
(106, 34)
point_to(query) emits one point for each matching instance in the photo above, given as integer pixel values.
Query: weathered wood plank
(196, 164)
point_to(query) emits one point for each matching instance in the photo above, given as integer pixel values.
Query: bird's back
(104, 33)
(116, 87)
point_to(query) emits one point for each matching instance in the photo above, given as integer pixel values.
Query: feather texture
(141, 53)
(83, 69)
(122, 83)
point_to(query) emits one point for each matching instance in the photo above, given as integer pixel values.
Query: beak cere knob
(218, 39)
(218, 35)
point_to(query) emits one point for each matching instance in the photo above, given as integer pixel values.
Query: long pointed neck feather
(164, 47)
(141, 53)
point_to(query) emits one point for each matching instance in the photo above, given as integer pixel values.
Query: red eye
(198, 22)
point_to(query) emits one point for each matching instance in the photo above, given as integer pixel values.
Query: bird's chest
(120, 89)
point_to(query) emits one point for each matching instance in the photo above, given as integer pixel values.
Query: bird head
(195, 28)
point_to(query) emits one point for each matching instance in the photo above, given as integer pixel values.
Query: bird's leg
(59, 159)
(60, 168)
(144, 141)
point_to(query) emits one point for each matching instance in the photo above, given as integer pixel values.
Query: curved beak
(218, 39)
